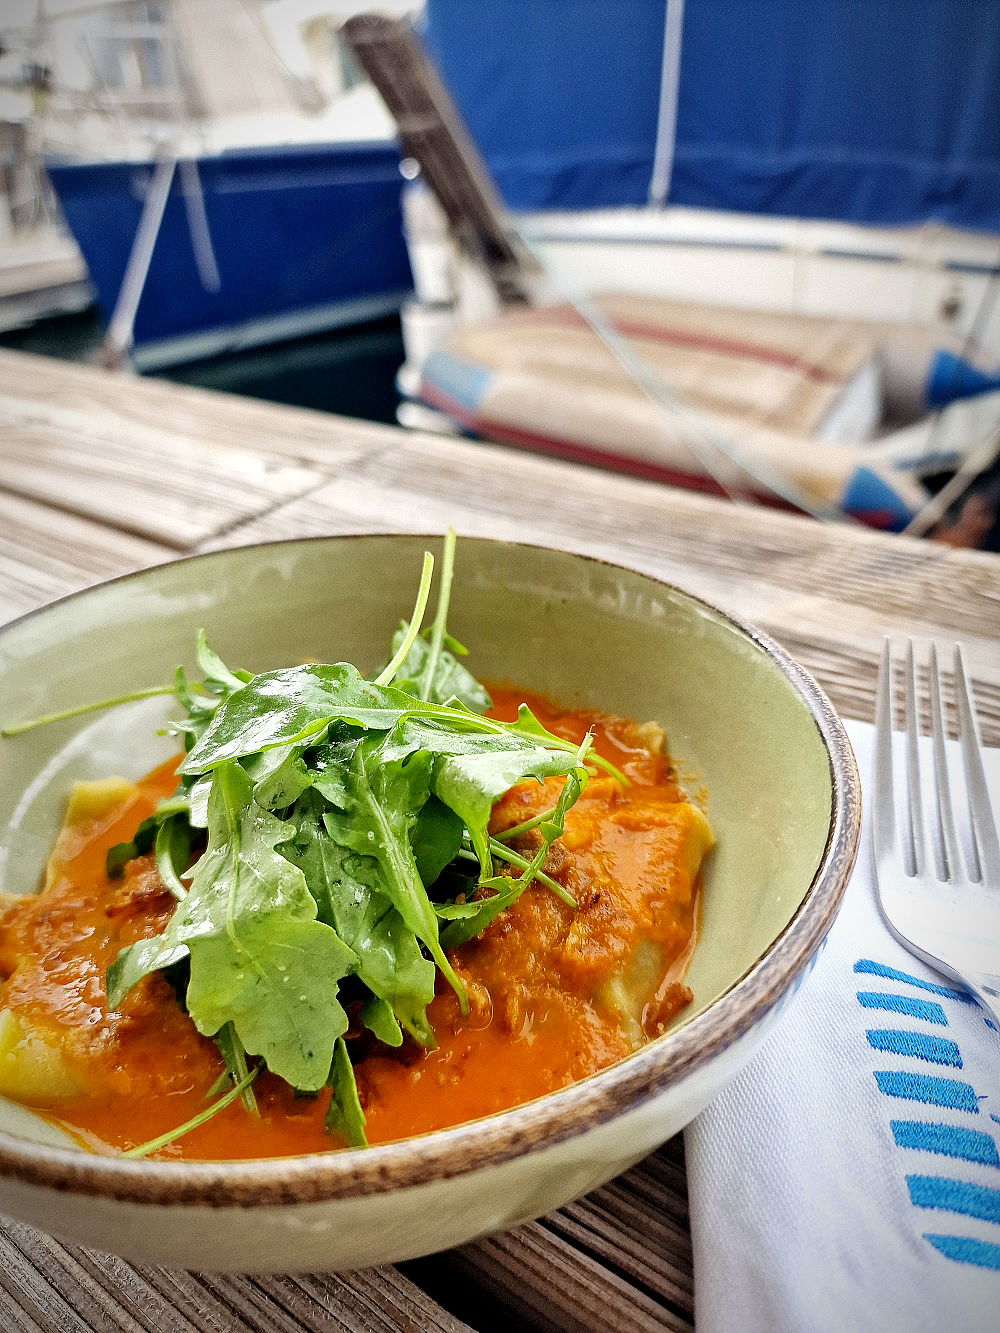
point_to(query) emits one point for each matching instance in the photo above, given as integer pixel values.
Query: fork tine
(945, 814)
(983, 823)
(883, 803)
(916, 820)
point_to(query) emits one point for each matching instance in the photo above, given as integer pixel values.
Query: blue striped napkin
(850, 1177)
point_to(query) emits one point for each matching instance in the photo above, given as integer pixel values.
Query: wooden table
(100, 475)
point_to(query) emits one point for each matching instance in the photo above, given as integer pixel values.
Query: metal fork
(940, 899)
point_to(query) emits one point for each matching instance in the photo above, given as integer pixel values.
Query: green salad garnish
(324, 845)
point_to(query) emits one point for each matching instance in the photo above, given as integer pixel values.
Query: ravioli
(557, 991)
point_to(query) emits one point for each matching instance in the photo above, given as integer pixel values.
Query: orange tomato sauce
(546, 981)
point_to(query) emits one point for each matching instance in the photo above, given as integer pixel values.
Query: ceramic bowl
(741, 718)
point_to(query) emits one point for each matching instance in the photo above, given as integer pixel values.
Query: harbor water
(348, 371)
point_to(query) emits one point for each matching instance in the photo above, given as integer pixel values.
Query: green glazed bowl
(743, 722)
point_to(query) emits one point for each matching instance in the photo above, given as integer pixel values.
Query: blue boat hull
(304, 238)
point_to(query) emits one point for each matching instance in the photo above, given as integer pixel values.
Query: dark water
(71, 337)
(349, 371)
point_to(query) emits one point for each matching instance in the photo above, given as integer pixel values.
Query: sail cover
(879, 113)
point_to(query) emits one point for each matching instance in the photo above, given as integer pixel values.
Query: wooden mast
(433, 134)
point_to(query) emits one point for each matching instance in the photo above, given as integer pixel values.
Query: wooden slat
(628, 1238)
(250, 1306)
(161, 486)
(633, 1240)
(48, 1286)
(45, 553)
(26, 1285)
(197, 415)
(551, 1283)
(826, 594)
(841, 583)
(100, 474)
(373, 1300)
(13, 1318)
(86, 1288)
(186, 1295)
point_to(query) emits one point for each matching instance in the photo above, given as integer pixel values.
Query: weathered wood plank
(373, 1300)
(25, 1284)
(157, 484)
(633, 1238)
(551, 1283)
(46, 553)
(827, 594)
(93, 1298)
(51, 1287)
(100, 474)
(197, 415)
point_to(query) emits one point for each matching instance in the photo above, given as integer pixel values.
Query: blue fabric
(968, 1145)
(292, 228)
(950, 378)
(561, 96)
(967, 1250)
(460, 381)
(871, 111)
(870, 498)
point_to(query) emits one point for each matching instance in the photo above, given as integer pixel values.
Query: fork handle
(986, 988)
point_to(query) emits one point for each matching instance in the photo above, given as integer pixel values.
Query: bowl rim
(558, 1116)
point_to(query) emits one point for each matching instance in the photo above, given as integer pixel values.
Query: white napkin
(849, 1179)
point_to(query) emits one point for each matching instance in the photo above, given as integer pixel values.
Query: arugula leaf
(473, 769)
(198, 793)
(348, 889)
(118, 858)
(512, 858)
(279, 776)
(436, 839)
(295, 704)
(218, 683)
(471, 784)
(381, 803)
(378, 1018)
(450, 682)
(298, 704)
(529, 724)
(235, 1057)
(442, 737)
(218, 678)
(466, 924)
(344, 1115)
(144, 837)
(276, 981)
(137, 960)
(173, 852)
(121, 853)
(330, 761)
(259, 958)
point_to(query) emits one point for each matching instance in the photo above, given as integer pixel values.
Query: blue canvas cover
(869, 111)
(294, 228)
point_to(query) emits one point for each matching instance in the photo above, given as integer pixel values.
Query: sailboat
(229, 176)
(631, 213)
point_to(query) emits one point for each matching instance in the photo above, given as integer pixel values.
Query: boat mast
(666, 125)
(434, 136)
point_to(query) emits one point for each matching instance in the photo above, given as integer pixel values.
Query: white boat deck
(42, 273)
